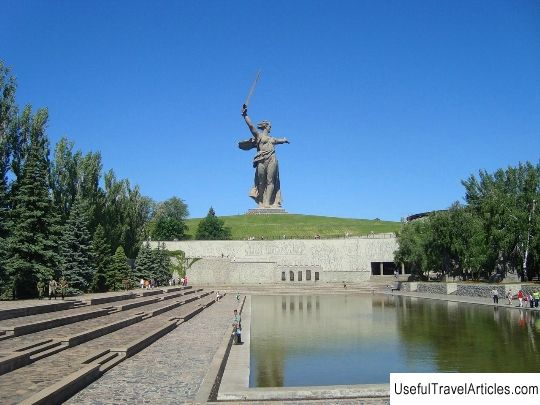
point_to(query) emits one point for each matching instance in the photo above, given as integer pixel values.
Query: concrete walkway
(171, 370)
(503, 302)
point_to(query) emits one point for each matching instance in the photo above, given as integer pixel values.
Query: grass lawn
(297, 226)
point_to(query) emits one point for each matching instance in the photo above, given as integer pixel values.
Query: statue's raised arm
(250, 125)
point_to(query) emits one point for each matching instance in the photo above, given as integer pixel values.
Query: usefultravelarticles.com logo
(463, 388)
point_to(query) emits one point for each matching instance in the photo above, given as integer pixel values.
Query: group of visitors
(55, 287)
(152, 283)
(148, 284)
(532, 298)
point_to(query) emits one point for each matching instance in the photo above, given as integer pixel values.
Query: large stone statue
(266, 191)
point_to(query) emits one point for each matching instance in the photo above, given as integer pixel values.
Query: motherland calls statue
(266, 190)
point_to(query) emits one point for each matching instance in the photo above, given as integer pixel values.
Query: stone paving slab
(171, 370)
(21, 383)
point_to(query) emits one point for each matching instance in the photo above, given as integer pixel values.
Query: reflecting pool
(359, 339)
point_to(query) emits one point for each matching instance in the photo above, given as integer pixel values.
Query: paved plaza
(151, 347)
(169, 371)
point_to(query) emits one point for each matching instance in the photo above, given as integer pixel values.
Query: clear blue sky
(387, 104)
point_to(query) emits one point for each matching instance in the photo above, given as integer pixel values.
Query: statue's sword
(252, 89)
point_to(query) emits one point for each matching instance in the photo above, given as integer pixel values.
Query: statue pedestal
(266, 211)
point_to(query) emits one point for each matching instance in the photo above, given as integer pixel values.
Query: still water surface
(359, 339)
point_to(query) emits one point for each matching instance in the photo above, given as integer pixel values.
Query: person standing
(520, 298)
(536, 296)
(63, 287)
(237, 326)
(509, 297)
(495, 294)
(52, 288)
(41, 289)
(531, 300)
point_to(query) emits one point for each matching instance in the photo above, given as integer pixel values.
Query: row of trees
(496, 231)
(64, 217)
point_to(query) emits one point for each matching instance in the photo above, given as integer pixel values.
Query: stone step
(49, 352)
(38, 308)
(42, 349)
(36, 326)
(74, 376)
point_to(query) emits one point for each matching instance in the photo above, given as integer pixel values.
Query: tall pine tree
(163, 264)
(101, 260)
(32, 245)
(145, 264)
(119, 270)
(76, 250)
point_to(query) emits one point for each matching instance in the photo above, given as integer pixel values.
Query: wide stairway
(49, 350)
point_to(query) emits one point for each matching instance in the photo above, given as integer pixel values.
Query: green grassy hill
(298, 226)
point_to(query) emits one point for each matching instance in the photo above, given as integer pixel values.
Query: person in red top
(520, 298)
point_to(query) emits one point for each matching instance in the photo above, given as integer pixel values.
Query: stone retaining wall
(468, 289)
(481, 290)
(529, 288)
(432, 288)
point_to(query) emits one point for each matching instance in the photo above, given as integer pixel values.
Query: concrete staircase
(56, 350)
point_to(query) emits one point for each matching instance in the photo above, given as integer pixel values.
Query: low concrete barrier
(147, 293)
(62, 390)
(37, 326)
(146, 340)
(35, 310)
(171, 296)
(136, 304)
(166, 308)
(111, 298)
(13, 361)
(23, 356)
(102, 361)
(87, 335)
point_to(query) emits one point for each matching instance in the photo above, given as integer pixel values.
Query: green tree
(496, 231)
(162, 264)
(168, 229)
(32, 245)
(212, 228)
(145, 264)
(413, 241)
(119, 270)
(64, 177)
(8, 120)
(125, 214)
(168, 220)
(504, 201)
(136, 217)
(89, 169)
(101, 260)
(76, 250)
